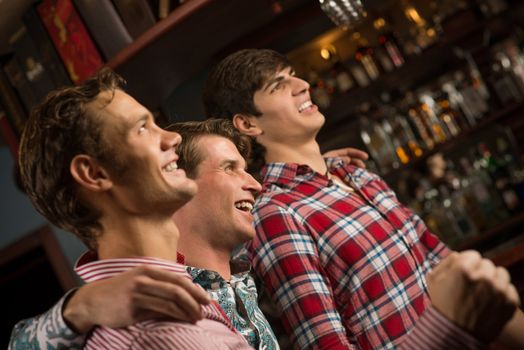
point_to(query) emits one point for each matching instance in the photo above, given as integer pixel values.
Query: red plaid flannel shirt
(347, 270)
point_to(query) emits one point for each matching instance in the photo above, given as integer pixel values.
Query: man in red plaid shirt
(347, 265)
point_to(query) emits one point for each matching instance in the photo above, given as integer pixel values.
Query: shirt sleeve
(433, 331)
(285, 257)
(46, 331)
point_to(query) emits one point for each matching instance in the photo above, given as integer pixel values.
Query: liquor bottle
(405, 143)
(448, 110)
(364, 55)
(472, 92)
(377, 142)
(413, 145)
(482, 196)
(501, 178)
(421, 32)
(434, 125)
(358, 72)
(447, 120)
(388, 43)
(343, 79)
(385, 61)
(416, 119)
(438, 217)
(454, 201)
(511, 165)
(503, 80)
(456, 100)
(398, 140)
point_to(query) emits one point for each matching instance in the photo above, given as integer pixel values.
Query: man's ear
(246, 125)
(89, 174)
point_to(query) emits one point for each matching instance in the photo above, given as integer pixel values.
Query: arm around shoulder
(46, 331)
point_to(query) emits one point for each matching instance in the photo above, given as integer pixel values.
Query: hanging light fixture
(343, 13)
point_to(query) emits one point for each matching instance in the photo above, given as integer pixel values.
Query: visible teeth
(245, 206)
(171, 167)
(305, 105)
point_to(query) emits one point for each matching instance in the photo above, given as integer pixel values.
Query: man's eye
(142, 129)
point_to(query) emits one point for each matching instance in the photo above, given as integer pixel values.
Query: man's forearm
(46, 331)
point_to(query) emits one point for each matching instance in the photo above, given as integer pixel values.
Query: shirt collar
(90, 269)
(284, 173)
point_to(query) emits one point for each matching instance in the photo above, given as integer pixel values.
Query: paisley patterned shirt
(238, 298)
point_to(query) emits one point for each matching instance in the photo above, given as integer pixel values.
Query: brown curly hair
(191, 131)
(60, 128)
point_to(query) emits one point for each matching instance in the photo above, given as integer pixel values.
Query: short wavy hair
(60, 128)
(191, 132)
(230, 87)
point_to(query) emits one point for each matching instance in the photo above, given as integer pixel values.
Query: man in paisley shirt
(218, 219)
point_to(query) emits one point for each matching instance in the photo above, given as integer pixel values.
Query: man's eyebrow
(234, 162)
(275, 79)
(278, 77)
(142, 118)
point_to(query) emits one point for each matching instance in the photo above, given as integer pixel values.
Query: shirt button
(302, 169)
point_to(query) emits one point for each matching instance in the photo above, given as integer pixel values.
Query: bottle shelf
(505, 112)
(435, 60)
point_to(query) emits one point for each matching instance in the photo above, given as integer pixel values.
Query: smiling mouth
(304, 106)
(170, 167)
(244, 206)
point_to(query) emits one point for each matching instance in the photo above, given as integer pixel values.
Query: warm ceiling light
(328, 52)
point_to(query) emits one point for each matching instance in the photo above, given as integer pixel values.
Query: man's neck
(138, 237)
(216, 259)
(307, 153)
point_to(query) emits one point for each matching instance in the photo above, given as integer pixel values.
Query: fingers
(358, 163)
(513, 295)
(347, 154)
(148, 307)
(356, 153)
(194, 290)
(178, 296)
(502, 282)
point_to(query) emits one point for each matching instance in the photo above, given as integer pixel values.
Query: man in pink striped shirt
(94, 162)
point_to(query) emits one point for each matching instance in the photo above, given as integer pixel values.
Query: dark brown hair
(60, 128)
(188, 152)
(231, 85)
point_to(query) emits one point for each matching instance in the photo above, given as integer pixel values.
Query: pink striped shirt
(215, 331)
